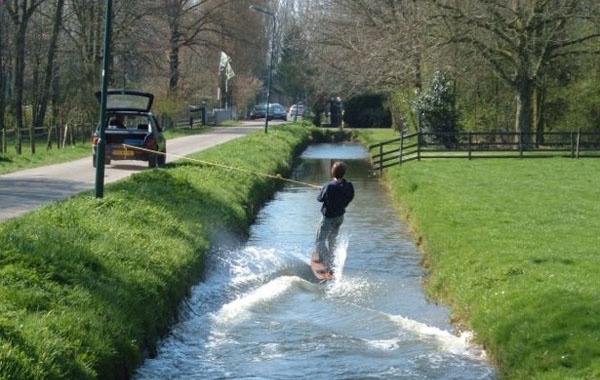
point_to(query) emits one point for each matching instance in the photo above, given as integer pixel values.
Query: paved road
(27, 190)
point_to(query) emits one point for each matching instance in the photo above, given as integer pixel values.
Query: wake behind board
(319, 269)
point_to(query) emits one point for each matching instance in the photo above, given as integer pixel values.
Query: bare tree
(521, 39)
(366, 44)
(42, 92)
(4, 72)
(189, 24)
(20, 13)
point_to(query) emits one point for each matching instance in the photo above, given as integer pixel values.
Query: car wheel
(152, 161)
(161, 160)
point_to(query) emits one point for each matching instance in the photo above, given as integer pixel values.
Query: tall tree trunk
(173, 69)
(3, 72)
(19, 81)
(418, 72)
(538, 115)
(40, 114)
(20, 15)
(55, 101)
(523, 120)
(174, 59)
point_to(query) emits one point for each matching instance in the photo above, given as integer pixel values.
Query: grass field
(513, 247)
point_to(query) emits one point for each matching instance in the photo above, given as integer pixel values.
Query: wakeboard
(319, 268)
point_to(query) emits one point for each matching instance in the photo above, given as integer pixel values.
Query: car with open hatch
(131, 131)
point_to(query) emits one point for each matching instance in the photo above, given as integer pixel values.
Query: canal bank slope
(89, 285)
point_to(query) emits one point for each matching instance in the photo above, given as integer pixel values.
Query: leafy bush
(574, 107)
(437, 111)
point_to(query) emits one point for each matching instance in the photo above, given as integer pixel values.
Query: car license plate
(123, 152)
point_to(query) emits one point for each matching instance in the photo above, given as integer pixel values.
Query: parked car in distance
(130, 124)
(258, 111)
(277, 111)
(297, 110)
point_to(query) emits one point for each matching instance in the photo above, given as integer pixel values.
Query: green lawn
(512, 245)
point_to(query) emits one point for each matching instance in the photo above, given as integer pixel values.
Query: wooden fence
(60, 136)
(471, 145)
(65, 135)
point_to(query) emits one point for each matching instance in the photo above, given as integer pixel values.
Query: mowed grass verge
(87, 285)
(513, 246)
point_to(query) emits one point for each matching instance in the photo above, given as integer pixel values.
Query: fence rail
(471, 145)
(53, 135)
(69, 134)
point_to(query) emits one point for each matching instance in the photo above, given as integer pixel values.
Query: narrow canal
(259, 314)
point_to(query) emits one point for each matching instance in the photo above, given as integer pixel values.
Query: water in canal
(259, 314)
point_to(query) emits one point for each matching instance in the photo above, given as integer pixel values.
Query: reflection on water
(259, 314)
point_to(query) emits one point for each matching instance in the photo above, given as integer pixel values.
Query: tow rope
(273, 176)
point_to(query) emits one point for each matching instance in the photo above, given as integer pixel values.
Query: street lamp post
(100, 149)
(260, 10)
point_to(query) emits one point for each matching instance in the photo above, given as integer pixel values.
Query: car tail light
(150, 143)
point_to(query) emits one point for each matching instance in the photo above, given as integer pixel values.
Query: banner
(229, 72)
(223, 62)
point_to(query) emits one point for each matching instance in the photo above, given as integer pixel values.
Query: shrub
(437, 111)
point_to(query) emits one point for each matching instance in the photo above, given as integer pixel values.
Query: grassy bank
(512, 246)
(87, 286)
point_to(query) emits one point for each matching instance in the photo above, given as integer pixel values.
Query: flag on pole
(223, 62)
(229, 72)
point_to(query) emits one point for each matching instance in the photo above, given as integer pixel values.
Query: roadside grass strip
(88, 286)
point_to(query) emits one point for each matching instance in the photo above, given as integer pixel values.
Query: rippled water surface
(259, 313)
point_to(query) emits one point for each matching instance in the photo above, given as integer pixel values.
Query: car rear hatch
(127, 100)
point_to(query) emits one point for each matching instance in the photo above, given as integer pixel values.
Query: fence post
(400, 153)
(469, 144)
(578, 142)
(520, 136)
(380, 159)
